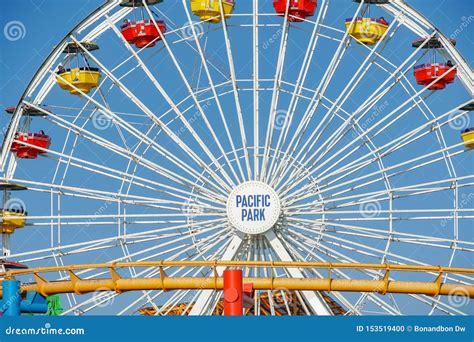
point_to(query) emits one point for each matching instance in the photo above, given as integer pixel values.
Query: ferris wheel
(198, 132)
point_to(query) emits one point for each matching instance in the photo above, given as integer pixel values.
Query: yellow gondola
(210, 9)
(82, 78)
(367, 31)
(468, 137)
(11, 220)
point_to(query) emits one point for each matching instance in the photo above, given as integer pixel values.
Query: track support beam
(82, 286)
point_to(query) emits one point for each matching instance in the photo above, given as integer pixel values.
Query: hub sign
(253, 207)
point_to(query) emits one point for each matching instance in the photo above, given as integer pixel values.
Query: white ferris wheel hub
(253, 207)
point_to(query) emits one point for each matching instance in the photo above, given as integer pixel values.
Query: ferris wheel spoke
(69, 134)
(368, 139)
(326, 242)
(296, 250)
(339, 258)
(100, 298)
(409, 89)
(140, 160)
(169, 306)
(279, 178)
(178, 30)
(413, 136)
(96, 139)
(396, 236)
(373, 99)
(136, 237)
(213, 243)
(439, 305)
(298, 86)
(396, 144)
(381, 214)
(383, 195)
(178, 296)
(317, 304)
(100, 195)
(136, 180)
(256, 89)
(320, 165)
(365, 133)
(315, 100)
(365, 250)
(268, 256)
(361, 164)
(307, 192)
(152, 116)
(276, 92)
(260, 254)
(132, 219)
(431, 300)
(216, 97)
(335, 196)
(376, 299)
(201, 305)
(108, 172)
(327, 186)
(352, 85)
(103, 245)
(184, 248)
(233, 78)
(172, 104)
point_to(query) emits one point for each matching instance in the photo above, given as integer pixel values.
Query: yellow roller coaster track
(117, 283)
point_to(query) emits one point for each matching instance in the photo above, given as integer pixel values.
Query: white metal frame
(325, 188)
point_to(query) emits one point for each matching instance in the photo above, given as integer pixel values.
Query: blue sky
(46, 22)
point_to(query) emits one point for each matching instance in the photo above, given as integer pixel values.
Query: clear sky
(46, 22)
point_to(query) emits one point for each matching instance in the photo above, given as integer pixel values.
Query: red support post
(233, 305)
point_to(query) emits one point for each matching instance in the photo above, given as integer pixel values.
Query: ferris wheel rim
(18, 111)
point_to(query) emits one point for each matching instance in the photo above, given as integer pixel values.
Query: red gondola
(299, 9)
(12, 265)
(40, 140)
(142, 32)
(29, 111)
(427, 73)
